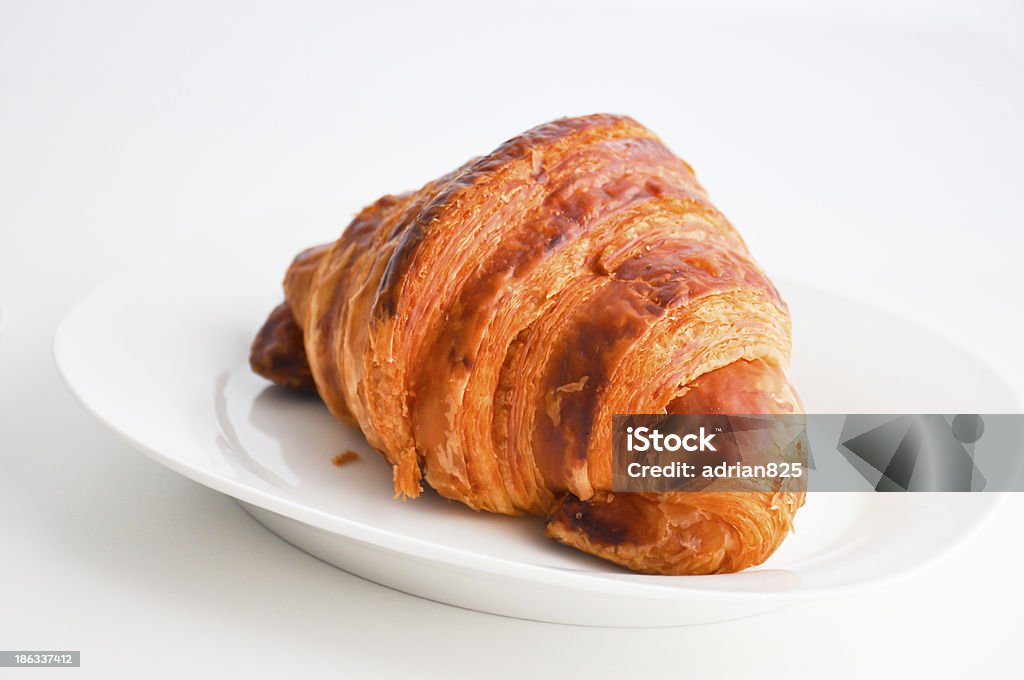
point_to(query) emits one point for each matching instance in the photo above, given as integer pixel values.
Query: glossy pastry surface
(483, 330)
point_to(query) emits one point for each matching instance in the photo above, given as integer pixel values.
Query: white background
(871, 150)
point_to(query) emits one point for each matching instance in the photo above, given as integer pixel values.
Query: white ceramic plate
(159, 355)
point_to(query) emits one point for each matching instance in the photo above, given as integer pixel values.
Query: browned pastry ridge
(482, 331)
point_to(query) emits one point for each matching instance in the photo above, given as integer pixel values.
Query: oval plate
(159, 355)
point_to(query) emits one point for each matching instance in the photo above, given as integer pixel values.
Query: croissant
(482, 331)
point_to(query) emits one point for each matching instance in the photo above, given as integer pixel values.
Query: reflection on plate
(159, 355)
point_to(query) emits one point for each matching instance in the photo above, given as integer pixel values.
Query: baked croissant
(482, 331)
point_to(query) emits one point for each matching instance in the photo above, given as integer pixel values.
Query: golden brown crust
(278, 353)
(482, 331)
(706, 532)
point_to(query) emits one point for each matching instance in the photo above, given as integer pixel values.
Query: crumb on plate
(346, 457)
